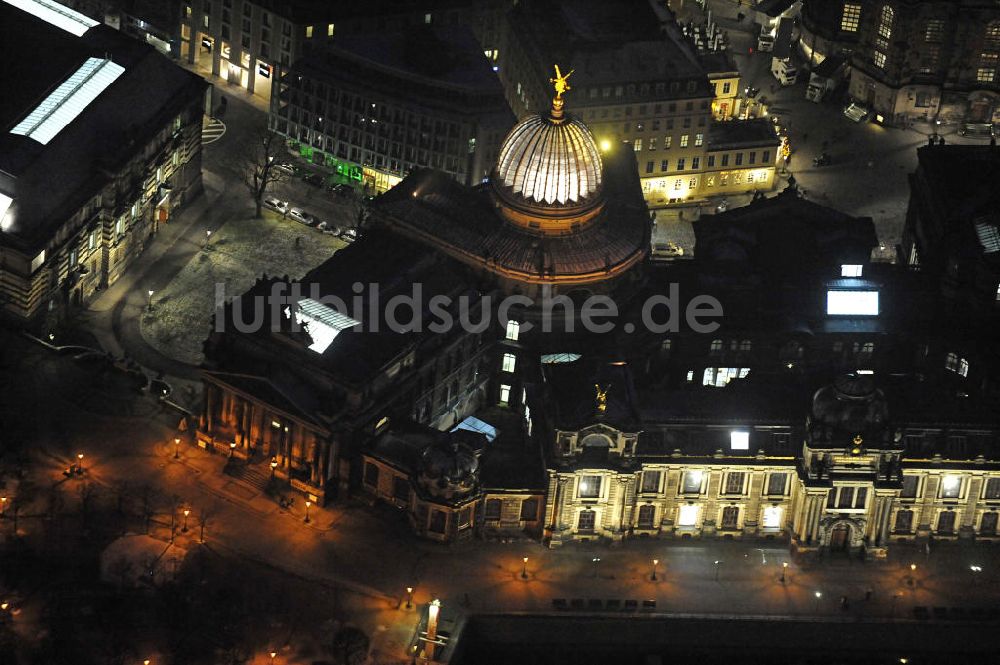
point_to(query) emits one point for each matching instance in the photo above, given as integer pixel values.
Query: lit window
(687, 515)
(37, 262)
(879, 59)
(329, 30)
(850, 17)
(934, 31)
(985, 75)
(684, 140)
(850, 270)
(699, 139)
(590, 487)
(772, 517)
(56, 14)
(862, 303)
(513, 328)
(504, 394)
(951, 487)
(427, 18)
(998, 292)
(309, 32)
(885, 23)
(692, 481)
(739, 440)
(637, 145)
(509, 362)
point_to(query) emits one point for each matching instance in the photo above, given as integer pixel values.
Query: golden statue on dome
(559, 82)
(602, 397)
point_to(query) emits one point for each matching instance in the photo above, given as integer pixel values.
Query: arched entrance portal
(842, 534)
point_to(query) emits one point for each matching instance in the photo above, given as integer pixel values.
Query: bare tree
(257, 163)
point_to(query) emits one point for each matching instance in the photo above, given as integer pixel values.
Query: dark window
(711, 160)
(860, 497)
(649, 167)
(439, 519)
(753, 157)
(766, 157)
(529, 510)
(904, 521)
(734, 482)
(946, 522)
(463, 517)
(988, 525)
(401, 488)
(910, 484)
(730, 517)
(831, 498)
(493, 509)
(586, 521)
(650, 481)
(590, 487)
(371, 474)
(647, 514)
(776, 483)
(846, 497)
(993, 488)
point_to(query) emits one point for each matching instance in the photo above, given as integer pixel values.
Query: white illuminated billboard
(739, 440)
(857, 303)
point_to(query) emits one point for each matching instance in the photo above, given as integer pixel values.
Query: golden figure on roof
(559, 82)
(602, 397)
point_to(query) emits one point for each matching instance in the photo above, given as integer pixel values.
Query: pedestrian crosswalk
(212, 131)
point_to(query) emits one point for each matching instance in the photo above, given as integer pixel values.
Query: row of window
(643, 90)
(952, 486)
(947, 521)
(687, 517)
(652, 143)
(694, 481)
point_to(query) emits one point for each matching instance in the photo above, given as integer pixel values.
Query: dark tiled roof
(465, 220)
(572, 394)
(734, 134)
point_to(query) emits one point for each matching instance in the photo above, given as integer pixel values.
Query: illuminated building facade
(927, 60)
(99, 144)
(724, 77)
(373, 107)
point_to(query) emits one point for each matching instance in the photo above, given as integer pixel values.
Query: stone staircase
(249, 475)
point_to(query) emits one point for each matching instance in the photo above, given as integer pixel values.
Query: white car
(349, 235)
(275, 204)
(328, 228)
(300, 215)
(286, 168)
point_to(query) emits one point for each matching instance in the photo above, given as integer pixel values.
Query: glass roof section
(69, 100)
(55, 14)
(323, 323)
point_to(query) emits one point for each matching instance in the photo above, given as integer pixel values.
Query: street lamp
(308, 503)
(3, 506)
(818, 594)
(655, 562)
(79, 463)
(232, 449)
(909, 578)
(149, 299)
(524, 568)
(208, 236)
(784, 568)
(184, 528)
(717, 562)
(596, 560)
(973, 568)
(409, 597)
(273, 654)
(177, 443)
(274, 465)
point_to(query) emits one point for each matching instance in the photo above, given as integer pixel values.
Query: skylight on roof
(556, 358)
(323, 323)
(5, 203)
(473, 424)
(69, 100)
(989, 237)
(55, 14)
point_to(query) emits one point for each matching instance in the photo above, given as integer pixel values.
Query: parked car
(342, 190)
(856, 112)
(286, 167)
(328, 228)
(300, 215)
(667, 250)
(275, 204)
(314, 179)
(983, 130)
(349, 235)
(823, 159)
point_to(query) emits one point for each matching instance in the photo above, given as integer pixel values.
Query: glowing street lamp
(184, 528)
(409, 597)
(232, 449)
(3, 506)
(596, 560)
(177, 443)
(910, 581)
(273, 654)
(149, 299)
(79, 463)
(308, 503)
(717, 563)
(973, 568)
(784, 568)
(655, 562)
(524, 568)
(274, 465)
